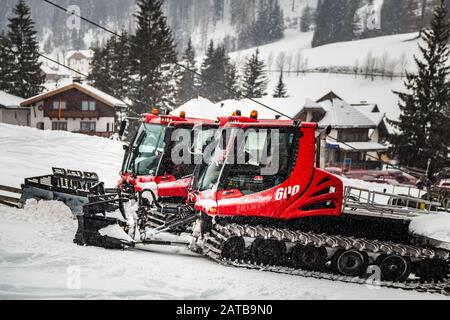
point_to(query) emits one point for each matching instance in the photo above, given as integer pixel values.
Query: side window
(267, 157)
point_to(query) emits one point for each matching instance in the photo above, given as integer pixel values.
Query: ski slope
(38, 259)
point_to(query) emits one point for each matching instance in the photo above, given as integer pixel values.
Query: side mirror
(325, 133)
(123, 127)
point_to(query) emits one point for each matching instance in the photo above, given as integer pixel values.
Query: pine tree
(391, 14)
(101, 65)
(120, 70)
(254, 78)
(27, 78)
(334, 21)
(206, 71)
(280, 90)
(425, 109)
(269, 25)
(188, 82)
(153, 55)
(231, 81)
(306, 19)
(6, 64)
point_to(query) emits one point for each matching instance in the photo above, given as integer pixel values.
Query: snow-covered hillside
(39, 261)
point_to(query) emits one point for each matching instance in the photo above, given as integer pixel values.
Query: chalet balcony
(72, 114)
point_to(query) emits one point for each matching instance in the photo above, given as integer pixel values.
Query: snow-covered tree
(6, 64)
(280, 90)
(153, 55)
(391, 14)
(307, 19)
(425, 109)
(188, 84)
(254, 83)
(26, 78)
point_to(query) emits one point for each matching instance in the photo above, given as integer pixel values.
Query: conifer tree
(6, 64)
(391, 15)
(231, 81)
(188, 82)
(26, 76)
(254, 83)
(423, 126)
(280, 90)
(153, 55)
(306, 19)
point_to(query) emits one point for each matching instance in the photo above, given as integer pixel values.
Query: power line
(237, 93)
(83, 75)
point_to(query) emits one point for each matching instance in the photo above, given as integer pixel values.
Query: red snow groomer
(147, 166)
(260, 202)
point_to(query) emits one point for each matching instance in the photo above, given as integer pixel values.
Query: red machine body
(307, 191)
(166, 185)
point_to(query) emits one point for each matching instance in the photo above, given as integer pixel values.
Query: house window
(59, 125)
(57, 103)
(87, 126)
(88, 106)
(85, 106)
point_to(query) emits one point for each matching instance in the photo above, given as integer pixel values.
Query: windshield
(255, 160)
(214, 157)
(146, 150)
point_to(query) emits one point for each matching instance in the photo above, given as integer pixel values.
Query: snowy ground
(39, 261)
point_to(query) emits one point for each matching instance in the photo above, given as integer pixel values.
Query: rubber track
(221, 234)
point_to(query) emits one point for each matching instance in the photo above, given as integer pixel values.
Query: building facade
(11, 112)
(76, 107)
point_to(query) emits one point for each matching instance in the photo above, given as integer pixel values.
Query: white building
(11, 112)
(76, 107)
(80, 60)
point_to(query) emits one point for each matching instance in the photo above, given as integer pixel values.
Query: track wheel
(350, 263)
(432, 270)
(233, 249)
(309, 258)
(268, 252)
(394, 268)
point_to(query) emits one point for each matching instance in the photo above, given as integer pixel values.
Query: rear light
(254, 115)
(155, 112)
(183, 114)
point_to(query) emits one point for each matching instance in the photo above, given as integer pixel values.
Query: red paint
(307, 181)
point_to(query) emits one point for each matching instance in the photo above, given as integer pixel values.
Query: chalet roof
(9, 101)
(85, 88)
(330, 96)
(341, 115)
(371, 111)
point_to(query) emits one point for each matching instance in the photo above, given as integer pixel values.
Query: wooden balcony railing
(72, 114)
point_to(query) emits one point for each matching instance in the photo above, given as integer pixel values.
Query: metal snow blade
(102, 213)
(69, 186)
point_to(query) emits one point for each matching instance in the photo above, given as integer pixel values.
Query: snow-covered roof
(202, 107)
(358, 146)
(85, 88)
(371, 111)
(339, 114)
(9, 101)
